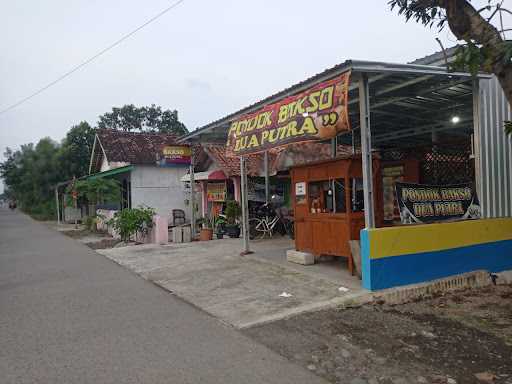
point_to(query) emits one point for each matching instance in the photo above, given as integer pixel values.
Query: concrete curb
(408, 293)
(393, 296)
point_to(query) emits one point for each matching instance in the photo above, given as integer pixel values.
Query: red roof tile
(129, 147)
(280, 159)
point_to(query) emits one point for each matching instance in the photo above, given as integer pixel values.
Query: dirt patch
(107, 242)
(94, 240)
(76, 233)
(446, 339)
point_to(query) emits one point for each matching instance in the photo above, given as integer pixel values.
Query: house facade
(148, 166)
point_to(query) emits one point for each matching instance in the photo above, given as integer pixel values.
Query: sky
(205, 59)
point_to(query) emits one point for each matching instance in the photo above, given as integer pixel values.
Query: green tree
(96, 191)
(484, 45)
(147, 119)
(75, 151)
(30, 173)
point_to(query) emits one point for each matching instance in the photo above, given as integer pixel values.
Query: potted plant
(233, 212)
(206, 229)
(220, 226)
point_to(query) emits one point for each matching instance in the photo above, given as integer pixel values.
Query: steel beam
(476, 140)
(192, 199)
(366, 151)
(267, 177)
(426, 129)
(245, 207)
(334, 144)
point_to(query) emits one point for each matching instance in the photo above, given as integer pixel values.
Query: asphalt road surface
(69, 315)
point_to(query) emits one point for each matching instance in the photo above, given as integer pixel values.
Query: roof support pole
(476, 141)
(245, 207)
(366, 150)
(334, 142)
(267, 177)
(192, 199)
(57, 205)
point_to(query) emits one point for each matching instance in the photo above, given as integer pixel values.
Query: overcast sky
(203, 58)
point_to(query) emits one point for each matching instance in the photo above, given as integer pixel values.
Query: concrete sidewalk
(242, 291)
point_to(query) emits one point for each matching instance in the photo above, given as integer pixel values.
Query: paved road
(68, 315)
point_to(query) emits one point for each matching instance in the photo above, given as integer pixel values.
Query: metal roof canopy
(407, 102)
(111, 172)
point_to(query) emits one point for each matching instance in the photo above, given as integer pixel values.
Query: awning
(111, 172)
(216, 174)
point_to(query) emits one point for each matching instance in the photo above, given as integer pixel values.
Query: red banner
(318, 113)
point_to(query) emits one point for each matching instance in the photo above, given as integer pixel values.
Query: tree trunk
(468, 25)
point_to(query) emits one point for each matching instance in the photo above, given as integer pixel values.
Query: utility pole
(192, 198)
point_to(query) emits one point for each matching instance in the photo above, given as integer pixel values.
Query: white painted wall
(159, 188)
(108, 165)
(104, 165)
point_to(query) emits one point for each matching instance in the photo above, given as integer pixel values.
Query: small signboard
(216, 191)
(422, 203)
(175, 155)
(300, 192)
(300, 188)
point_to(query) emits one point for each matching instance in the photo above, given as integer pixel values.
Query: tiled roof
(279, 159)
(307, 152)
(133, 148)
(129, 147)
(230, 164)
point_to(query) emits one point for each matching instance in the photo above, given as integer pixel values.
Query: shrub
(129, 222)
(95, 191)
(233, 211)
(90, 223)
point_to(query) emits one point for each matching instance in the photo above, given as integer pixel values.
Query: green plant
(89, 221)
(218, 224)
(233, 211)
(212, 222)
(206, 222)
(95, 191)
(129, 222)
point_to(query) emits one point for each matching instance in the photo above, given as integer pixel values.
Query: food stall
(390, 112)
(328, 202)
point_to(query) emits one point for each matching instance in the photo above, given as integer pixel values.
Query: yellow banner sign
(318, 113)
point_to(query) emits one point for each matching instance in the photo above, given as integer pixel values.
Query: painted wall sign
(391, 175)
(175, 154)
(422, 203)
(216, 191)
(318, 113)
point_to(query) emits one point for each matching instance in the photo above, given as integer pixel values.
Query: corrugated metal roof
(387, 72)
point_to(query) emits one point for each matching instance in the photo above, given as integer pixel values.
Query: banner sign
(318, 113)
(421, 203)
(216, 191)
(175, 154)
